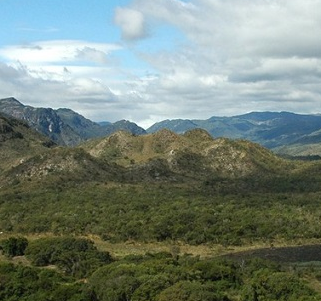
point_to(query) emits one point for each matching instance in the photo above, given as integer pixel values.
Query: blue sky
(26, 21)
(146, 61)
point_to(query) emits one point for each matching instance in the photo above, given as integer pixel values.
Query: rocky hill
(194, 154)
(63, 126)
(163, 156)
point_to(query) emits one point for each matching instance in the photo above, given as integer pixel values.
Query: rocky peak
(10, 101)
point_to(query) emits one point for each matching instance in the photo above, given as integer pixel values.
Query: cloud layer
(237, 56)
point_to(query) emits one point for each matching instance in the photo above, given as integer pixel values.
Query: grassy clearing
(122, 249)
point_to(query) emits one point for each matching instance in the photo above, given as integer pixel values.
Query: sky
(150, 60)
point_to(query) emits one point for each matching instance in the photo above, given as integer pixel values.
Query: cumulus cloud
(131, 22)
(87, 89)
(240, 56)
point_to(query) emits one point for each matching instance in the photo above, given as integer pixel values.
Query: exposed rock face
(44, 120)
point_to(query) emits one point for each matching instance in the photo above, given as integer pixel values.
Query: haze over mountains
(283, 132)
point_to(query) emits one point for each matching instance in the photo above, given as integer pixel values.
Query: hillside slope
(156, 187)
(123, 157)
(194, 154)
(67, 166)
(19, 142)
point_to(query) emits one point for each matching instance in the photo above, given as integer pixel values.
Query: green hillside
(195, 154)
(143, 183)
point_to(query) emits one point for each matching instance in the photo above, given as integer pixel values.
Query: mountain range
(63, 126)
(283, 132)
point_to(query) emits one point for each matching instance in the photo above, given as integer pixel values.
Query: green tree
(21, 283)
(151, 287)
(14, 246)
(77, 257)
(277, 286)
(190, 291)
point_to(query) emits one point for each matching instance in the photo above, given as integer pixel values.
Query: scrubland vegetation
(63, 267)
(63, 209)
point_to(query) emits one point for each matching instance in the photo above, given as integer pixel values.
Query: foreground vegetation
(61, 267)
(68, 268)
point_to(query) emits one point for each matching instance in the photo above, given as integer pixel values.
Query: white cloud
(60, 73)
(58, 51)
(92, 55)
(131, 22)
(241, 56)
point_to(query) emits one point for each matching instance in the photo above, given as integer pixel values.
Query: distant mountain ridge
(283, 132)
(63, 126)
